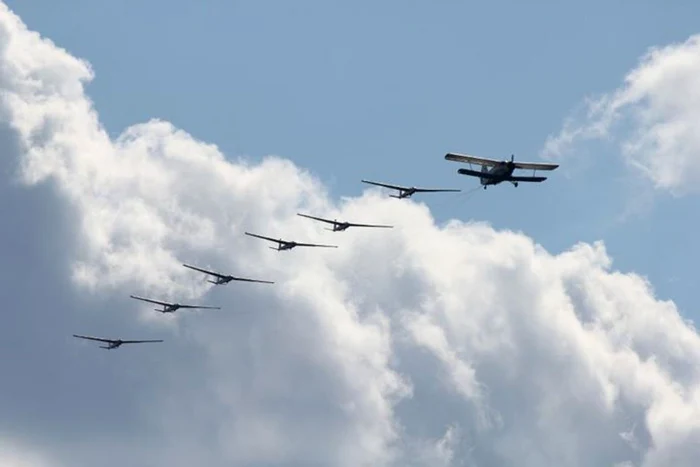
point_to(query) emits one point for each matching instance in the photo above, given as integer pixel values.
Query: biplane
(494, 172)
(173, 307)
(340, 226)
(221, 279)
(288, 244)
(408, 191)
(113, 343)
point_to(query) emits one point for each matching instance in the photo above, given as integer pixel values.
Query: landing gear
(515, 184)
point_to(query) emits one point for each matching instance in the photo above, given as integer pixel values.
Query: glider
(224, 278)
(112, 343)
(340, 226)
(406, 191)
(288, 245)
(173, 307)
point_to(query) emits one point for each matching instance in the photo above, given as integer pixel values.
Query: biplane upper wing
(265, 238)
(98, 339)
(386, 185)
(328, 221)
(451, 156)
(157, 302)
(535, 166)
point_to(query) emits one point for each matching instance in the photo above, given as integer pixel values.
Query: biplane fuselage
(500, 173)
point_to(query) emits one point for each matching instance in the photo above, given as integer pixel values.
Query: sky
(546, 323)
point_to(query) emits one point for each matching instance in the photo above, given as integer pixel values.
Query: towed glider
(224, 278)
(406, 191)
(494, 172)
(340, 226)
(113, 343)
(288, 244)
(173, 307)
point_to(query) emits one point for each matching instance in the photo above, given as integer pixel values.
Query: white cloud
(652, 118)
(423, 345)
(13, 455)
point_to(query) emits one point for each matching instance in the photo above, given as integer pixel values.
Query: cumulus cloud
(424, 345)
(12, 455)
(651, 119)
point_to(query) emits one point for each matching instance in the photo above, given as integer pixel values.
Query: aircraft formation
(493, 172)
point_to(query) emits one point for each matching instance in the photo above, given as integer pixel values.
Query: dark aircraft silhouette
(224, 279)
(407, 192)
(499, 171)
(340, 226)
(113, 343)
(288, 245)
(173, 307)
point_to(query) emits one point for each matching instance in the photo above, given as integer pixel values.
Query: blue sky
(381, 90)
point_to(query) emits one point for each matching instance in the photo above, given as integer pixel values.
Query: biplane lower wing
(476, 173)
(489, 176)
(525, 179)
